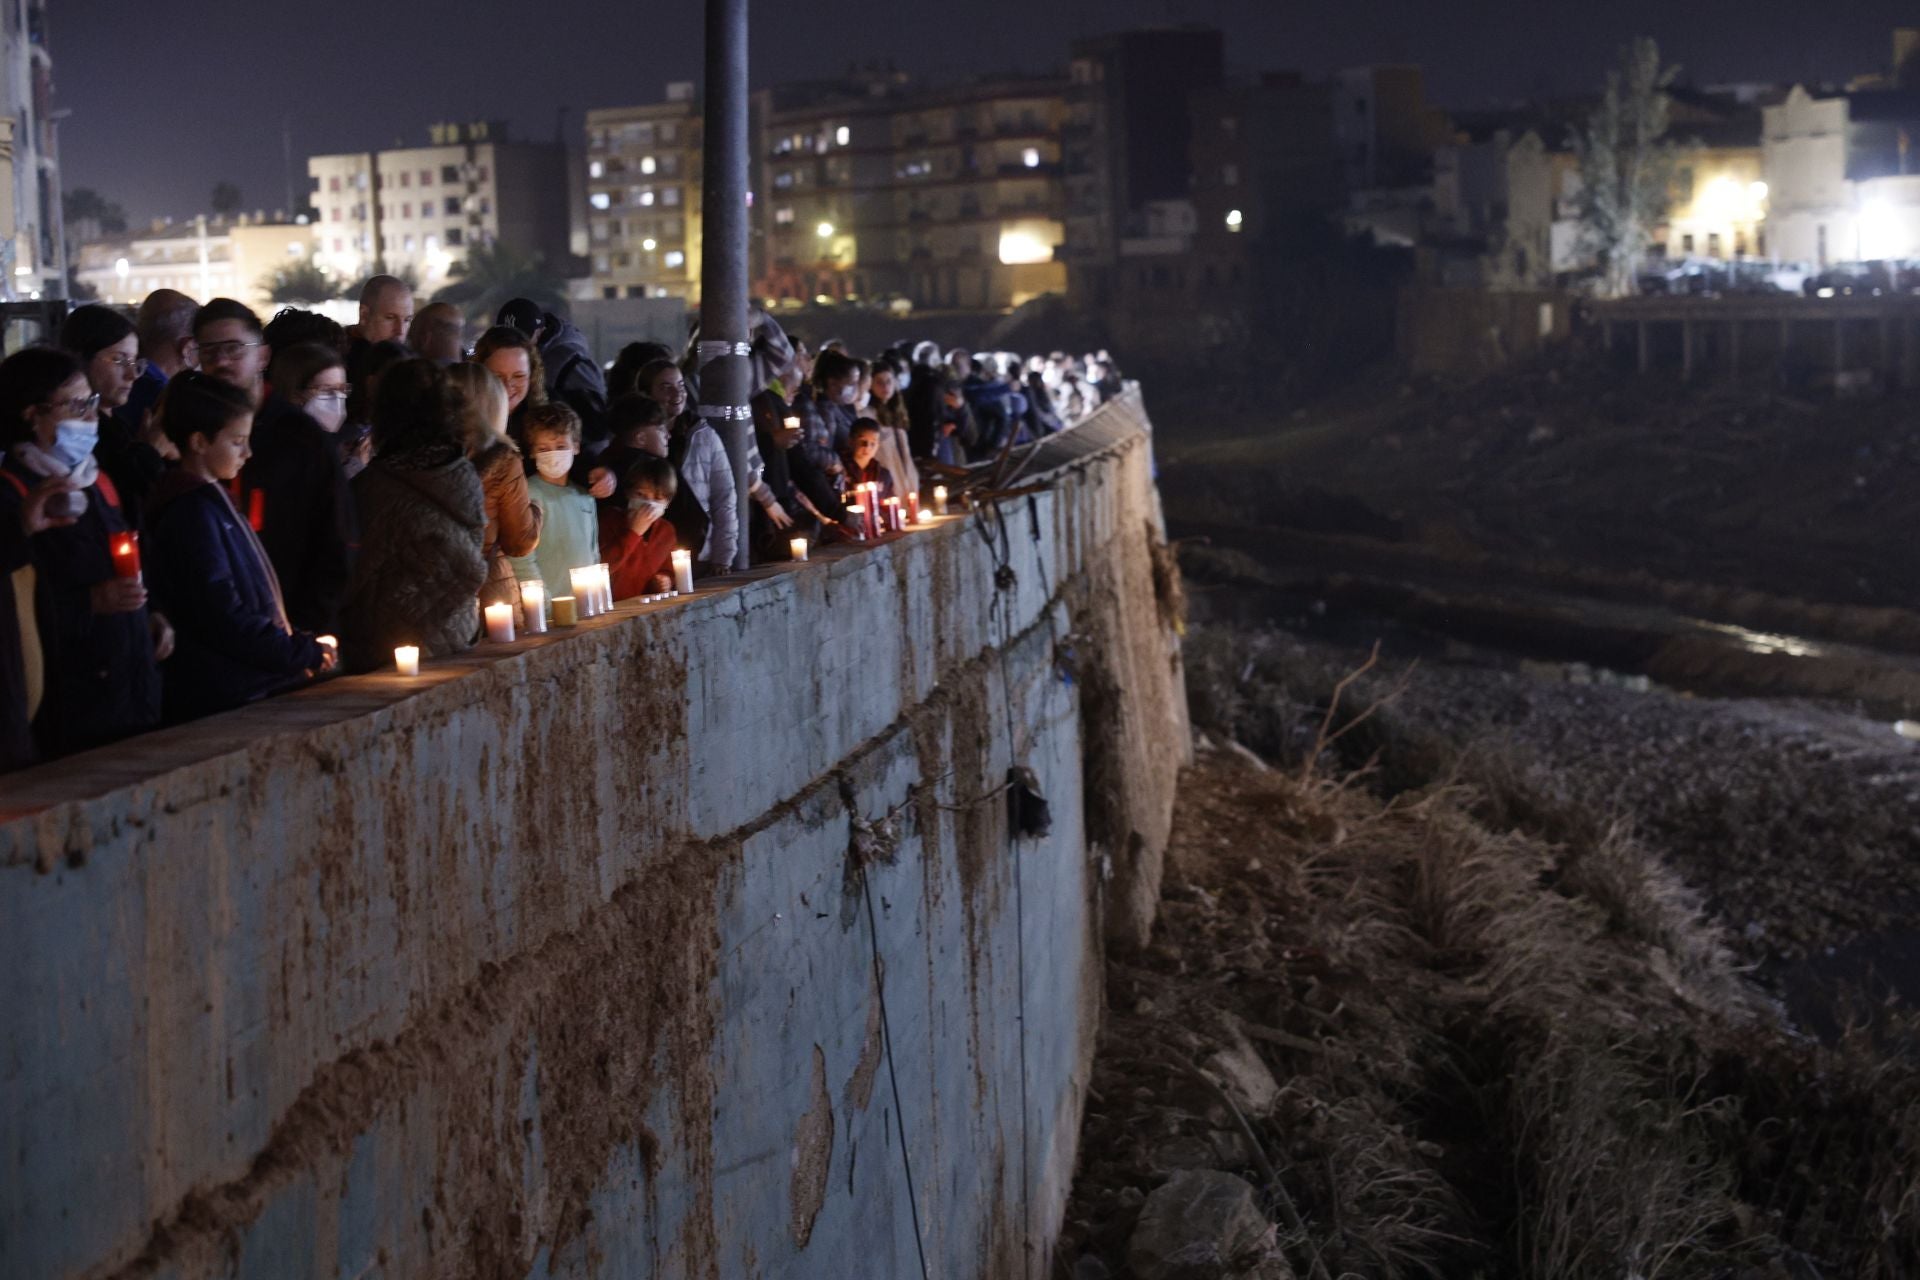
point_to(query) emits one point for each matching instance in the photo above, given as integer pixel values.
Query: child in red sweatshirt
(636, 540)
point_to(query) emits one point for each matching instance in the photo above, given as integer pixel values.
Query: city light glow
(824, 230)
(1234, 219)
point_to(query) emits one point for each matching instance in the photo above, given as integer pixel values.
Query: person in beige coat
(513, 518)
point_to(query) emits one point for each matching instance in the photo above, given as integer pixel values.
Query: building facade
(643, 197)
(201, 258)
(32, 256)
(418, 210)
(946, 198)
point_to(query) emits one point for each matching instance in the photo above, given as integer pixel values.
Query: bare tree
(1626, 165)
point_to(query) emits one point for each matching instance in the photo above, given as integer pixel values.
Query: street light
(647, 244)
(824, 230)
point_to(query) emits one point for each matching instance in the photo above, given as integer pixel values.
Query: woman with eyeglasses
(100, 646)
(313, 378)
(132, 454)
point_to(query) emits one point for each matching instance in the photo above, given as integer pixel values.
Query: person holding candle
(102, 646)
(132, 454)
(513, 519)
(863, 462)
(889, 408)
(570, 524)
(22, 663)
(637, 540)
(421, 567)
(206, 566)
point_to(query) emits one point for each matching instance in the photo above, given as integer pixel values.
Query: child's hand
(600, 482)
(660, 585)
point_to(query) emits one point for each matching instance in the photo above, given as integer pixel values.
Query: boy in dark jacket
(234, 644)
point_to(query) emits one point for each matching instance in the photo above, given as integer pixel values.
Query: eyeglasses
(136, 365)
(78, 406)
(224, 350)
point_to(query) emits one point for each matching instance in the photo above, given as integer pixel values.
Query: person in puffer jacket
(696, 452)
(423, 525)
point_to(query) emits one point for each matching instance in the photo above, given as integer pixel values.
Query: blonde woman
(513, 518)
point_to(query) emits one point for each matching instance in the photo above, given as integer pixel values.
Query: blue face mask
(74, 439)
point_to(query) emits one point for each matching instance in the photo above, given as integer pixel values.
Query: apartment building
(643, 197)
(202, 258)
(418, 210)
(948, 197)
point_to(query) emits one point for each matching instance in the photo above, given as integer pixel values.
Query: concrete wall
(554, 961)
(1469, 332)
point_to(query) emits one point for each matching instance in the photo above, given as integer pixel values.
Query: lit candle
(564, 612)
(585, 593)
(603, 578)
(892, 509)
(939, 499)
(926, 517)
(683, 572)
(126, 555)
(799, 548)
(857, 520)
(792, 424)
(533, 607)
(913, 507)
(500, 623)
(407, 659)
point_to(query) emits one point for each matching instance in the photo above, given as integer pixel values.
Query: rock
(1202, 1225)
(1244, 1076)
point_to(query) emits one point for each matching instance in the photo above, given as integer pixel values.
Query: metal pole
(57, 205)
(722, 353)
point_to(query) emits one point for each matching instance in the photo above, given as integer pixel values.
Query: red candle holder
(125, 550)
(913, 509)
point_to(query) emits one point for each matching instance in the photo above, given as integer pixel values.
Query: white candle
(926, 516)
(407, 659)
(603, 576)
(500, 623)
(683, 572)
(799, 548)
(939, 499)
(533, 607)
(585, 593)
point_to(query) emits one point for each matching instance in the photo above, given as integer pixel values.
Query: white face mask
(553, 464)
(74, 439)
(638, 505)
(329, 409)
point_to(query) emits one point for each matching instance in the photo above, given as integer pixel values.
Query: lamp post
(722, 351)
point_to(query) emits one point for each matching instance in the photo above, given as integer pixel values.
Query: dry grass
(1510, 1043)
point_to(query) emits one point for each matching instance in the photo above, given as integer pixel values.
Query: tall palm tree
(492, 274)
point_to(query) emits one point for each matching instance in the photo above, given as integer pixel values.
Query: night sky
(166, 101)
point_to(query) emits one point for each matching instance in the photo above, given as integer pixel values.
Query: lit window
(1031, 157)
(432, 243)
(1234, 220)
(596, 169)
(649, 244)
(600, 200)
(783, 217)
(843, 135)
(646, 196)
(675, 258)
(647, 164)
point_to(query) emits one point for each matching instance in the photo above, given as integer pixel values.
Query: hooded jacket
(101, 680)
(706, 473)
(418, 577)
(208, 575)
(573, 375)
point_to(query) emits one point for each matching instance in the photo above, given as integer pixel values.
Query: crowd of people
(198, 510)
